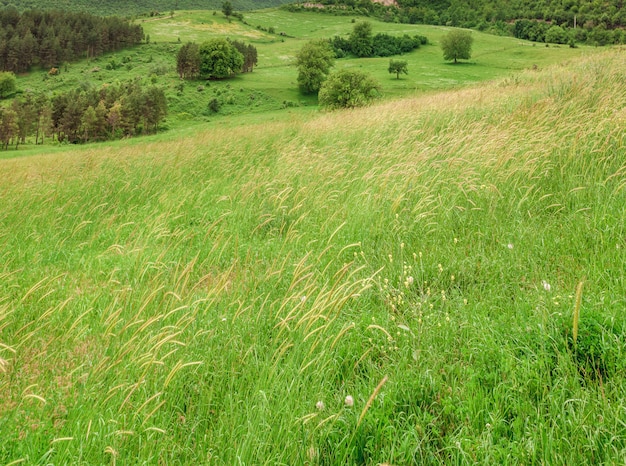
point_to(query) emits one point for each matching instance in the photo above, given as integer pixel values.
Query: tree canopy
(8, 84)
(362, 39)
(215, 59)
(314, 61)
(49, 38)
(593, 22)
(398, 67)
(457, 45)
(348, 89)
(219, 59)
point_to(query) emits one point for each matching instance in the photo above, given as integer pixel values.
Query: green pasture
(436, 280)
(272, 86)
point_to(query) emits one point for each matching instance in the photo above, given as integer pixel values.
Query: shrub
(348, 89)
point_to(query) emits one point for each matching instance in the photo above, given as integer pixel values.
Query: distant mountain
(138, 7)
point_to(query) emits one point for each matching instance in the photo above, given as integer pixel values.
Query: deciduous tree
(8, 84)
(362, 40)
(457, 45)
(347, 89)
(227, 9)
(219, 59)
(314, 61)
(398, 67)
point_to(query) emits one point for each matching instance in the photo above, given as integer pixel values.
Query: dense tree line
(595, 21)
(363, 43)
(138, 7)
(215, 59)
(84, 115)
(49, 38)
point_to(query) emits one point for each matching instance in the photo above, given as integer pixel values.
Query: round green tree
(457, 45)
(219, 59)
(348, 89)
(398, 67)
(8, 84)
(314, 61)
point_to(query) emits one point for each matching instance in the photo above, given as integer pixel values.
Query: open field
(272, 86)
(214, 296)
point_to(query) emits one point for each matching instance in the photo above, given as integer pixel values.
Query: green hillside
(391, 285)
(140, 7)
(272, 87)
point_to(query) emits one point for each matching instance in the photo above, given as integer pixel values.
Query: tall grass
(214, 299)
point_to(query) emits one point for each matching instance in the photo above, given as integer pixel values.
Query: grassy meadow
(272, 87)
(437, 279)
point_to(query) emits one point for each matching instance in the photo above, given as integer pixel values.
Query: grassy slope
(189, 299)
(141, 7)
(274, 80)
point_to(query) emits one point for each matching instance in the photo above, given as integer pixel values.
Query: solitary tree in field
(314, 61)
(457, 45)
(398, 67)
(227, 9)
(348, 89)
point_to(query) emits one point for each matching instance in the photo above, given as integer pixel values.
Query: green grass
(189, 298)
(272, 86)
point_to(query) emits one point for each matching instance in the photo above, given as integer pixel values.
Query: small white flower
(510, 246)
(302, 299)
(546, 285)
(410, 280)
(349, 401)
(320, 405)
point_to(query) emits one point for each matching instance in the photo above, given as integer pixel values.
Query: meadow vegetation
(272, 86)
(395, 284)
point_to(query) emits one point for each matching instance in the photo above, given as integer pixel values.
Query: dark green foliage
(362, 40)
(214, 105)
(49, 38)
(314, 61)
(380, 45)
(8, 84)
(597, 23)
(227, 8)
(557, 35)
(457, 45)
(398, 67)
(86, 114)
(188, 61)
(348, 89)
(143, 7)
(219, 59)
(249, 53)
(8, 126)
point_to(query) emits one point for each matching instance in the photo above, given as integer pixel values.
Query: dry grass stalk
(579, 295)
(371, 399)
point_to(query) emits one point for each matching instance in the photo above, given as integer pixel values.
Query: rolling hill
(437, 279)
